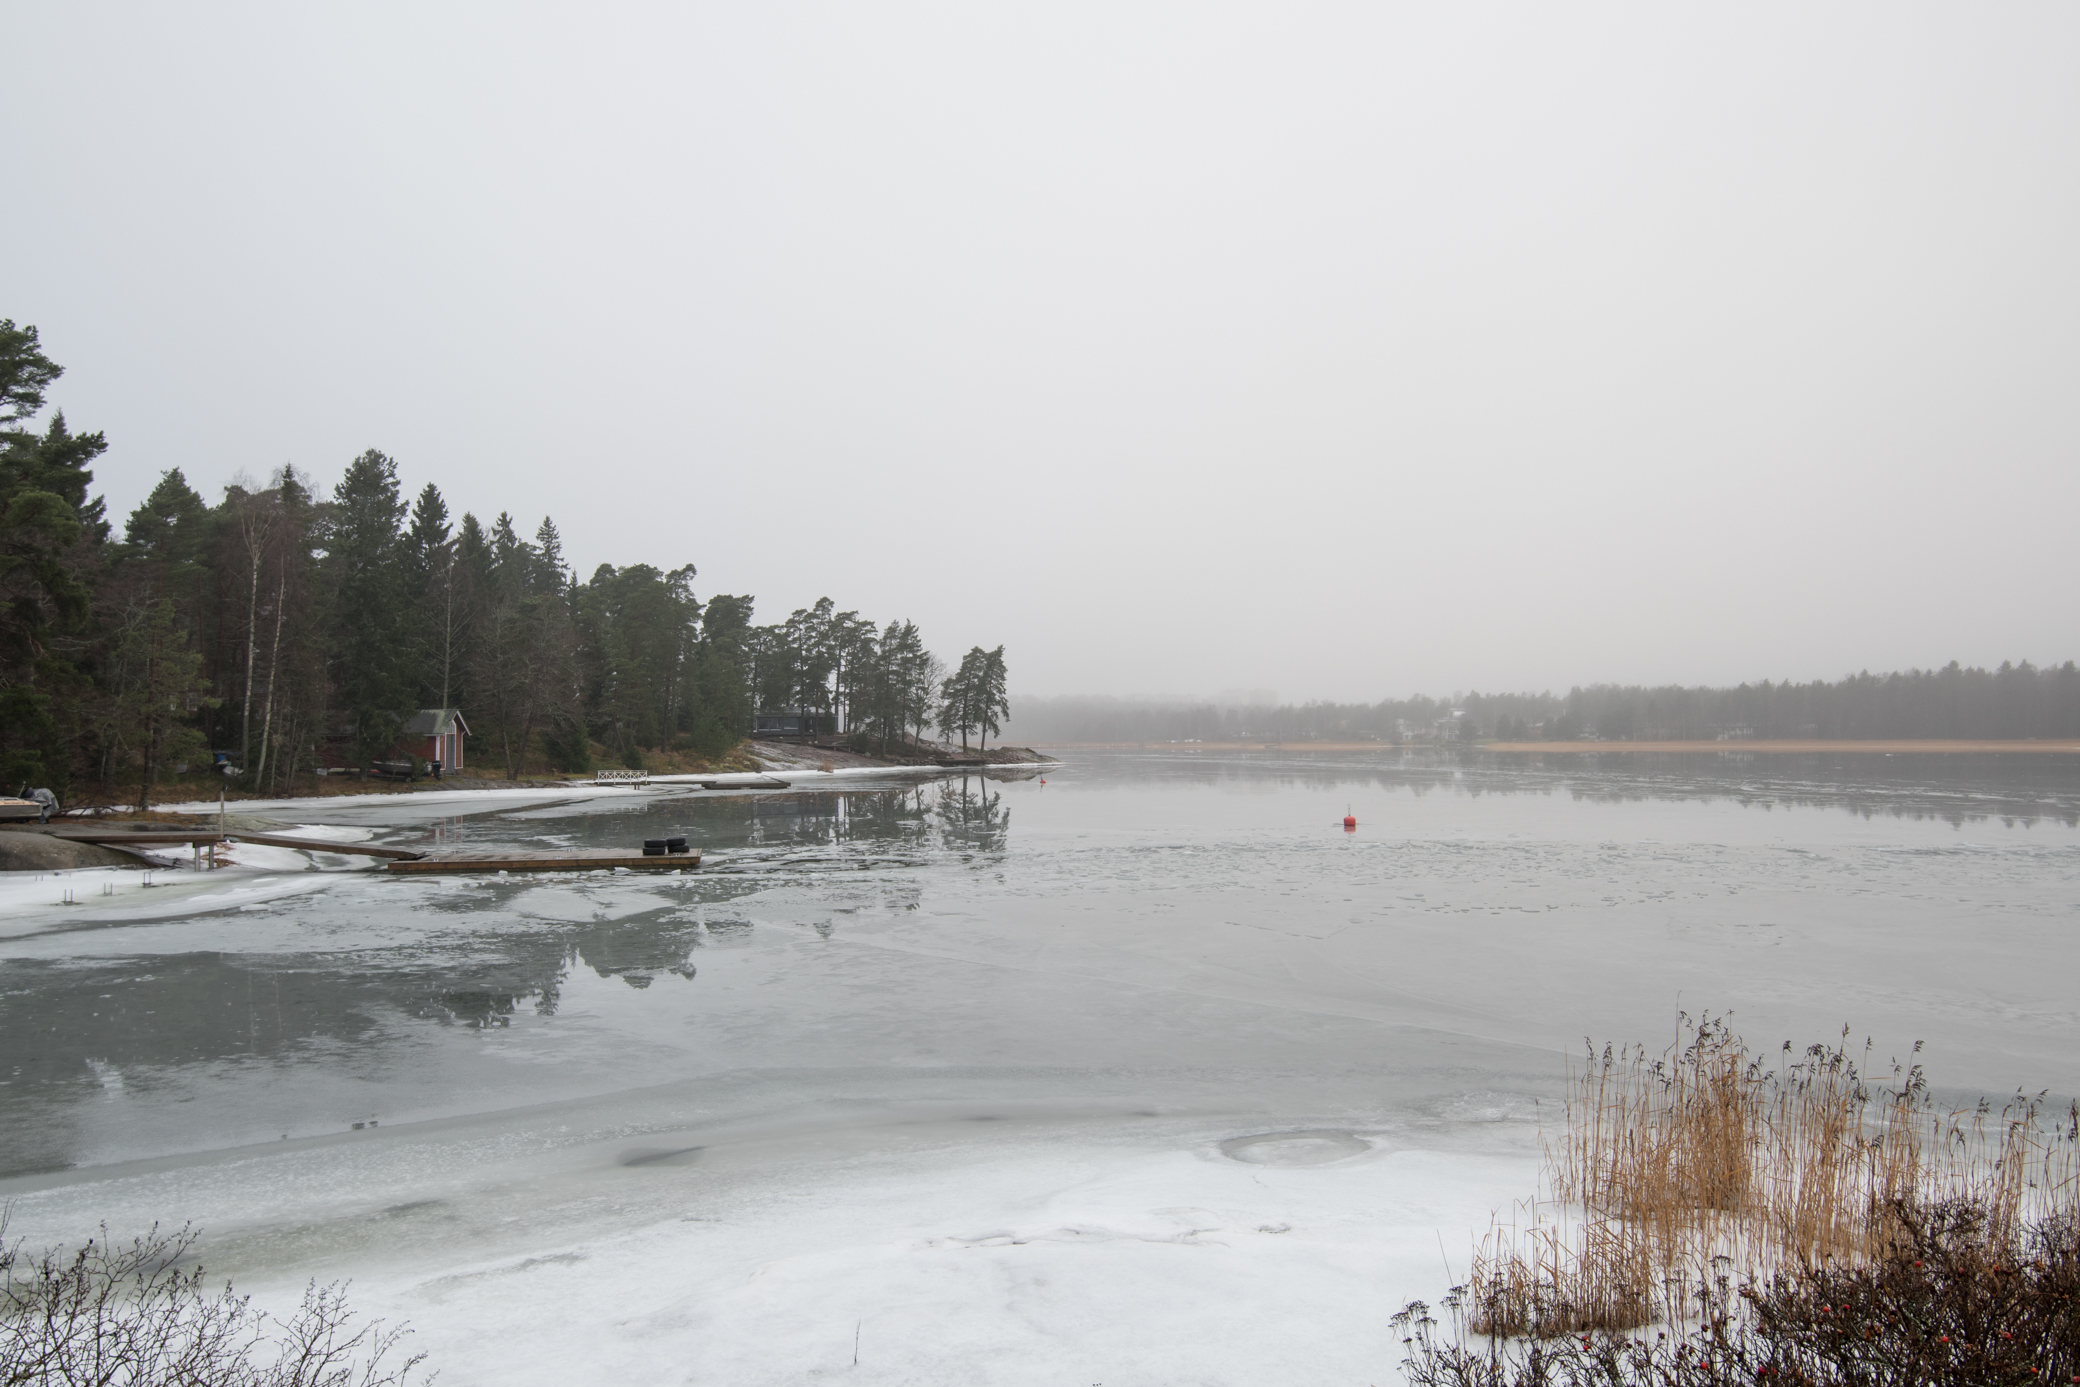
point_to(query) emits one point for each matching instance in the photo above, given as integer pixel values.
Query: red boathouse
(436, 734)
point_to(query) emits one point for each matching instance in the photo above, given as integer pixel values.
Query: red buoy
(1350, 821)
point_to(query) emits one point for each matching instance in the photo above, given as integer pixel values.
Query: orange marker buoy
(1350, 821)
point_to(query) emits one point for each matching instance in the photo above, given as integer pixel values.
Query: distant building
(793, 723)
(436, 734)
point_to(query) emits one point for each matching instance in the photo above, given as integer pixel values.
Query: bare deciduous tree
(132, 1316)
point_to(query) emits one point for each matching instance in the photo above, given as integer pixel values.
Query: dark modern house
(790, 724)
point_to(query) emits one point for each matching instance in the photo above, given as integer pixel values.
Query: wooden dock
(546, 860)
(208, 837)
(399, 859)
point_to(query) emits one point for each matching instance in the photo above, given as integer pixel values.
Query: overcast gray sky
(1345, 350)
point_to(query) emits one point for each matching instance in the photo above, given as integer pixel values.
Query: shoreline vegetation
(283, 633)
(1718, 1215)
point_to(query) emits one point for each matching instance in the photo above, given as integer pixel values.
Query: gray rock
(25, 851)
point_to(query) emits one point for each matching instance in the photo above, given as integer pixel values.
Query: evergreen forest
(289, 628)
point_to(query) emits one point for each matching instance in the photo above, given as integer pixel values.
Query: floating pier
(547, 860)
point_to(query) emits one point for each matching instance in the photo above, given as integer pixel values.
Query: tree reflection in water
(971, 816)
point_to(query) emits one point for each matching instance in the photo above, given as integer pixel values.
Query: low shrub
(135, 1316)
(1959, 1297)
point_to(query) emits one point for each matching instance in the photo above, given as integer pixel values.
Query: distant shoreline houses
(1449, 728)
(1452, 727)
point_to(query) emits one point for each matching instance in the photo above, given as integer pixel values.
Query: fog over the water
(1338, 350)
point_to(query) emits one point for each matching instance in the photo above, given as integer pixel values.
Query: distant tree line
(292, 628)
(2015, 701)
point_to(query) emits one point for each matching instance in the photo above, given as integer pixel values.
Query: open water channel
(1146, 1072)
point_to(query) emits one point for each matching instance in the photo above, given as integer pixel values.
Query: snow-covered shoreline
(796, 778)
(1028, 1242)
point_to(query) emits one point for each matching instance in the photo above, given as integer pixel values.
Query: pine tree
(991, 698)
(852, 645)
(287, 664)
(244, 527)
(960, 705)
(720, 706)
(25, 372)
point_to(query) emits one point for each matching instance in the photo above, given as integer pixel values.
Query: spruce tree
(371, 614)
(51, 535)
(159, 680)
(428, 533)
(168, 527)
(430, 581)
(551, 664)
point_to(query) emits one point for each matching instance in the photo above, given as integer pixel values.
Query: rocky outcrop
(25, 850)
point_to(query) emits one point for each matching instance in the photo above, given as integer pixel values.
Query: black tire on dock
(653, 847)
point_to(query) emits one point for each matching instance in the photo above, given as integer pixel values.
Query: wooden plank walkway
(400, 859)
(200, 837)
(546, 860)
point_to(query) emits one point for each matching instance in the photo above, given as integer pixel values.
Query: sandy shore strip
(1892, 748)
(1802, 748)
(742, 782)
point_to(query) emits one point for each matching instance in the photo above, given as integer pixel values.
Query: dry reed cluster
(1708, 1163)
